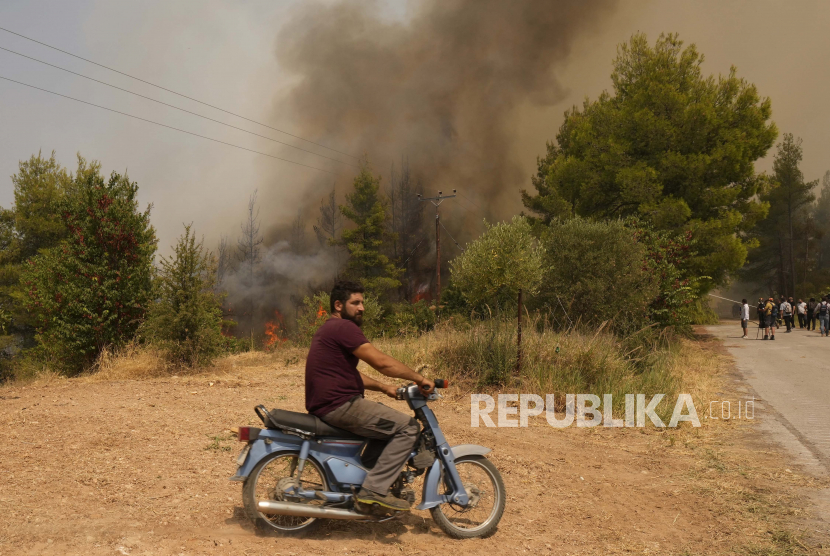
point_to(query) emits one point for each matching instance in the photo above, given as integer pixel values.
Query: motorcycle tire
(489, 526)
(279, 525)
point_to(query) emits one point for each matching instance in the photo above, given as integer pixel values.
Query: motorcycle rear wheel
(485, 487)
(261, 485)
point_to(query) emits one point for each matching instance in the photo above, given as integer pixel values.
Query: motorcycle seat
(307, 423)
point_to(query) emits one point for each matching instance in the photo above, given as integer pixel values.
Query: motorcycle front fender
(430, 497)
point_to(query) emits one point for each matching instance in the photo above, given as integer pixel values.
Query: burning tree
(275, 333)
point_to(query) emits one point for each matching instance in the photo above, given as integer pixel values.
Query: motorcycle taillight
(247, 434)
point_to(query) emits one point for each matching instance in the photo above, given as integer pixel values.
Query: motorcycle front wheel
(485, 488)
(261, 484)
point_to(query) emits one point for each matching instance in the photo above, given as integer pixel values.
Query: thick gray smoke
(441, 87)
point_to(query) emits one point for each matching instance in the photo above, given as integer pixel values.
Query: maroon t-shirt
(331, 377)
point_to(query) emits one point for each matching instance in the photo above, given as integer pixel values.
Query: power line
(174, 92)
(472, 203)
(452, 238)
(412, 252)
(173, 106)
(471, 211)
(167, 126)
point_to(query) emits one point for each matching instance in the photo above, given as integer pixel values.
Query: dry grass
(140, 362)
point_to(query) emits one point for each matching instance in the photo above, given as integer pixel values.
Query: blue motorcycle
(298, 470)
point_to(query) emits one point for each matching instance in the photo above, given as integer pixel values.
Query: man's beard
(357, 319)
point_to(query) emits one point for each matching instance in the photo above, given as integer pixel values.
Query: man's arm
(391, 367)
(370, 383)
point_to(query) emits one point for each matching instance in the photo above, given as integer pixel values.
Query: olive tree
(499, 266)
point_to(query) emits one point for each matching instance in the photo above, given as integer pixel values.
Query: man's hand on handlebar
(426, 385)
(391, 391)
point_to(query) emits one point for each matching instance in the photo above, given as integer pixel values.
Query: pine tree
(31, 224)
(668, 145)
(367, 240)
(186, 317)
(786, 229)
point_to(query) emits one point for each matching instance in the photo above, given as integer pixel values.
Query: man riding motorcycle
(334, 390)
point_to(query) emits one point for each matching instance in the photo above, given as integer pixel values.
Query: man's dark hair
(812, 299)
(342, 291)
(743, 301)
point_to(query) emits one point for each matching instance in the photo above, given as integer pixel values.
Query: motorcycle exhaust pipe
(272, 507)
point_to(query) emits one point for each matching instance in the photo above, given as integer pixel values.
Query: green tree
(669, 146)
(821, 216)
(502, 261)
(92, 289)
(784, 234)
(31, 224)
(185, 318)
(369, 237)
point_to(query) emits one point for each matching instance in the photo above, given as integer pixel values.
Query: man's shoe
(368, 498)
(772, 337)
(766, 337)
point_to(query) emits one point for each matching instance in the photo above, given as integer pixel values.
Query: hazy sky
(225, 53)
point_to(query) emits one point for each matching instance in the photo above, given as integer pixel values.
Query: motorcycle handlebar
(439, 383)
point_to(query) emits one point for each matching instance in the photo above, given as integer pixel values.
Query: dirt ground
(142, 467)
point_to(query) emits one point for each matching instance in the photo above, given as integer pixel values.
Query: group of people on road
(772, 314)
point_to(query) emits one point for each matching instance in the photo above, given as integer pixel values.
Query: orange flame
(321, 312)
(274, 331)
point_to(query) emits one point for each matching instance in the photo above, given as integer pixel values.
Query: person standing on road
(786, 313)
(811, 313)
(744, 317)
(762, 315)
(802, 313)
(770, 312)
(823, 314)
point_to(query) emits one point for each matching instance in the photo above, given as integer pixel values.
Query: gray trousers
(375, 420)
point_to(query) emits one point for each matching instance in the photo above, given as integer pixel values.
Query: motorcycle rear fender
(430, 497)
(268, 442)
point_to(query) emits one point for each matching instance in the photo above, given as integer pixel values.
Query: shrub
(596, 272)
(92, 290)
(408, 319)
(666, 256)
(185, 318)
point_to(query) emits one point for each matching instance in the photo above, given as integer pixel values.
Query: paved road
(792, 376)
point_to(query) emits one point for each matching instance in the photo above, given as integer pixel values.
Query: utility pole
(437, 201)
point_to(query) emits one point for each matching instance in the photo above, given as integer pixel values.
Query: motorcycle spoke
(281, 468)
